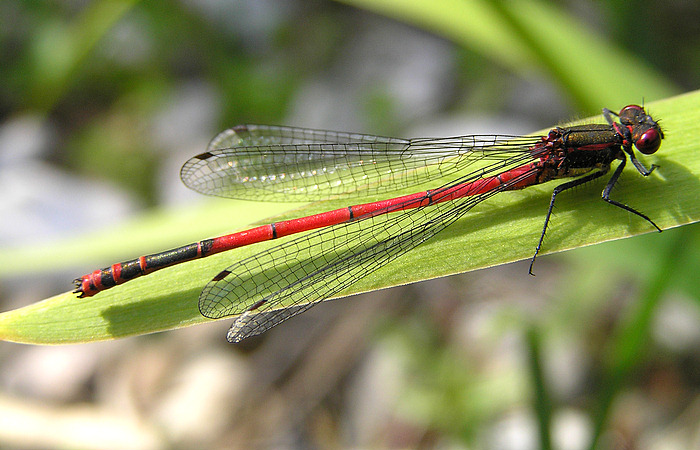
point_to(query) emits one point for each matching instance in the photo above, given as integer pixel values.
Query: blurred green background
(102, 101)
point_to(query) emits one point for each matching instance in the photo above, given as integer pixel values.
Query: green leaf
(501, 230)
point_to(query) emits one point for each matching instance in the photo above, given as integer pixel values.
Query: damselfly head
(645, 132)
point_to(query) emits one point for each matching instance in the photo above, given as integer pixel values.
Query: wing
(276, 284)
(271, 163)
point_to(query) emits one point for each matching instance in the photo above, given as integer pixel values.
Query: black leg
(555, 192)
(605, 196)
(640, 167)
(611, 184)
(608, 115)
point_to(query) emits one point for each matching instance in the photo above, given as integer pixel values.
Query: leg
(608, 116)
(639, 166)
(555, 192)
(611, 184)
(605, 196)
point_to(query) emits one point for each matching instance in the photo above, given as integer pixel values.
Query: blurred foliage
(100, 72)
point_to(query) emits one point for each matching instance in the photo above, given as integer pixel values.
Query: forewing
(270, 163)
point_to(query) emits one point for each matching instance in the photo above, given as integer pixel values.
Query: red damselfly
(291, 164)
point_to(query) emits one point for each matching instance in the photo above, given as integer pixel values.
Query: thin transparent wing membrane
(276, 284)
(294, 164)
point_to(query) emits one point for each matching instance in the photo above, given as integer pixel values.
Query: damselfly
(291, 164)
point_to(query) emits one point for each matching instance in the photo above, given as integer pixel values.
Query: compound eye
(649, 142)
